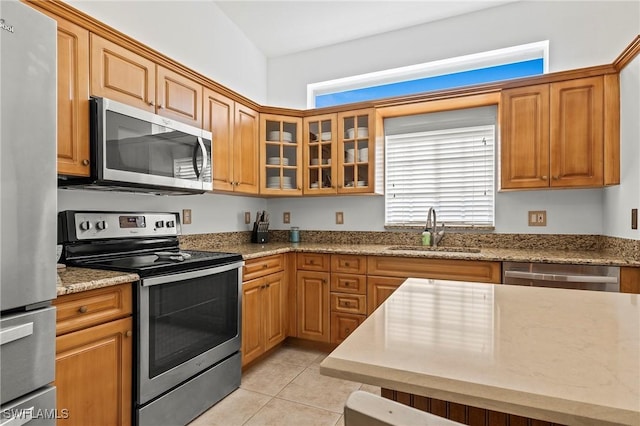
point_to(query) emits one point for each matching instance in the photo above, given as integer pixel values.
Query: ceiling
(279, 28)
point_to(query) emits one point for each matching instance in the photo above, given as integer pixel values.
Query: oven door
(188, 322)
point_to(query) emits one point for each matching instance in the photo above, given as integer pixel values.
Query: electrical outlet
(286, 217)
(634, 218)
(247, 218)
(186, 216)
(537, 218)
(339, 218)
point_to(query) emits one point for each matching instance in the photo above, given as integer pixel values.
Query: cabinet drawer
(262, 266)
(80, 310)
(348, 264)
(442, 269)
(350, 303)
(342, 325)
(346, 283)
(312, 261)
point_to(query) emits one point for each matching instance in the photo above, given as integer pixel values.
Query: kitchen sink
(442, 249)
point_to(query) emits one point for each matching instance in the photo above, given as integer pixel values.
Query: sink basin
(443, 249)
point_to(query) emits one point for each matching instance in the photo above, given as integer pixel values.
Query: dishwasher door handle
(561, 277)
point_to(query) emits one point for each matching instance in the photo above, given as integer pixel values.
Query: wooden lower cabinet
(630, 280)
(379, 289)
(264, 318)
(442, 269)
(464, 414)
(342, 325)
(312, 290)
(93, 374)
(94, 356)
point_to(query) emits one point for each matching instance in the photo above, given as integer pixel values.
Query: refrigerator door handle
(26, 415)
(11, 334)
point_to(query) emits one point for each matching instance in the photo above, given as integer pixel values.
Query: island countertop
(565, 356)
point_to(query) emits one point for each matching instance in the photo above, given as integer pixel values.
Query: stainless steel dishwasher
(578, 277)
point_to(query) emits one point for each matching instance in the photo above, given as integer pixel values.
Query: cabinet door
(93, 374)
(119, 74)
(73, 99)
(379, 289)
(577, 139)
(179, 97)
(524, 120)
(219, 120)
(245, 150)
(342, 325)
(319, 157)
(313, 305)
(274, 310)
(356, 151)
(280, 155)
(252, 327)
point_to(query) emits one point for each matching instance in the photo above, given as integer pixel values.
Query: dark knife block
(259, 236)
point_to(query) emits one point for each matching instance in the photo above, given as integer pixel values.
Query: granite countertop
(74, 280)
(513, 349)
(251, 251)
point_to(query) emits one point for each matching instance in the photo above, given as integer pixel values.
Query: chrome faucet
(432, 227)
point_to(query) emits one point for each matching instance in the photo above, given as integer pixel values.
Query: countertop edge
(115, 278)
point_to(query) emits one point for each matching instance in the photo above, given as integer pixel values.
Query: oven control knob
(101, 225)
(86, 225)
(171, 224)
(160, 224)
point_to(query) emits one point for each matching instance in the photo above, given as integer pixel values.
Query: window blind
(451, 170)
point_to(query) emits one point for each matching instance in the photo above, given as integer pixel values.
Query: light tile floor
(285, 389)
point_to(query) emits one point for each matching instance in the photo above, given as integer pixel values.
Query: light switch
(286, 217)
(247, 217)
(186, 216)
(339, 218)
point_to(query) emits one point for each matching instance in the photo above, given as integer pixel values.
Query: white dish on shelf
(276, 161)
(314, 185)
(328, 161)
(362, 183)
(325, 136)
(315, 161)
(363, 132)
(274, 136)
(350, 155)
(363, 154)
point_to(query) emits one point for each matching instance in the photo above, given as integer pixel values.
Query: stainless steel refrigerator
(28, 229)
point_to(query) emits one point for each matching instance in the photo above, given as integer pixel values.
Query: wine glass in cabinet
(320, 134)
(281, 155)
(356, 151)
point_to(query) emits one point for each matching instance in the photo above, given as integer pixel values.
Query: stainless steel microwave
(137, 151)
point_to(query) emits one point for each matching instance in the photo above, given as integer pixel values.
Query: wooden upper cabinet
(118, 73)
(179, 97)
(356, 151)
(525, 137)
(235, 143)
(577, 144)
(557, 135)
(320, 154)
(121, 75)
(280, 155)
(245, 150)
(73, 99)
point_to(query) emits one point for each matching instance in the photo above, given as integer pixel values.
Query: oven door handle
(181, 276)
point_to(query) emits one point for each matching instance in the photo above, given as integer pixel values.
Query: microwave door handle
(194, 160)
(200, 173)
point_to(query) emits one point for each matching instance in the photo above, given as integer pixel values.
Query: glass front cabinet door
(356, 135)
(281, 155)
(320, 154)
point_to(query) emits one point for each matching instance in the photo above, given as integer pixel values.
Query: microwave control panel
(98, 225)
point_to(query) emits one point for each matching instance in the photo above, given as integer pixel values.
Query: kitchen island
(562, 356)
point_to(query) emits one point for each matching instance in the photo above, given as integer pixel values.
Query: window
(495, 65)
(443, 160)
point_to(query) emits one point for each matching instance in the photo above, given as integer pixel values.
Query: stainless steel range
(187, 315)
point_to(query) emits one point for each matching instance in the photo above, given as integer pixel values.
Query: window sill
(449, 228)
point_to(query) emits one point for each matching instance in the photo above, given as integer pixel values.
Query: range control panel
(98, 225)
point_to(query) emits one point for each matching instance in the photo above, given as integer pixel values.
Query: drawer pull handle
(346, 284)
(348, 330)
(265, 266)
(311, 261)
(346, 264)
(83, 309)
(17, 332)
(85, 162)
(128, 333)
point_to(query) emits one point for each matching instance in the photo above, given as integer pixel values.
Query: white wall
(581, 34)
(619, 200)
(210, 212)
(195, 33)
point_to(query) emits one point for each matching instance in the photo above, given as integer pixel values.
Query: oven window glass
(190, 317)
(138, 146)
